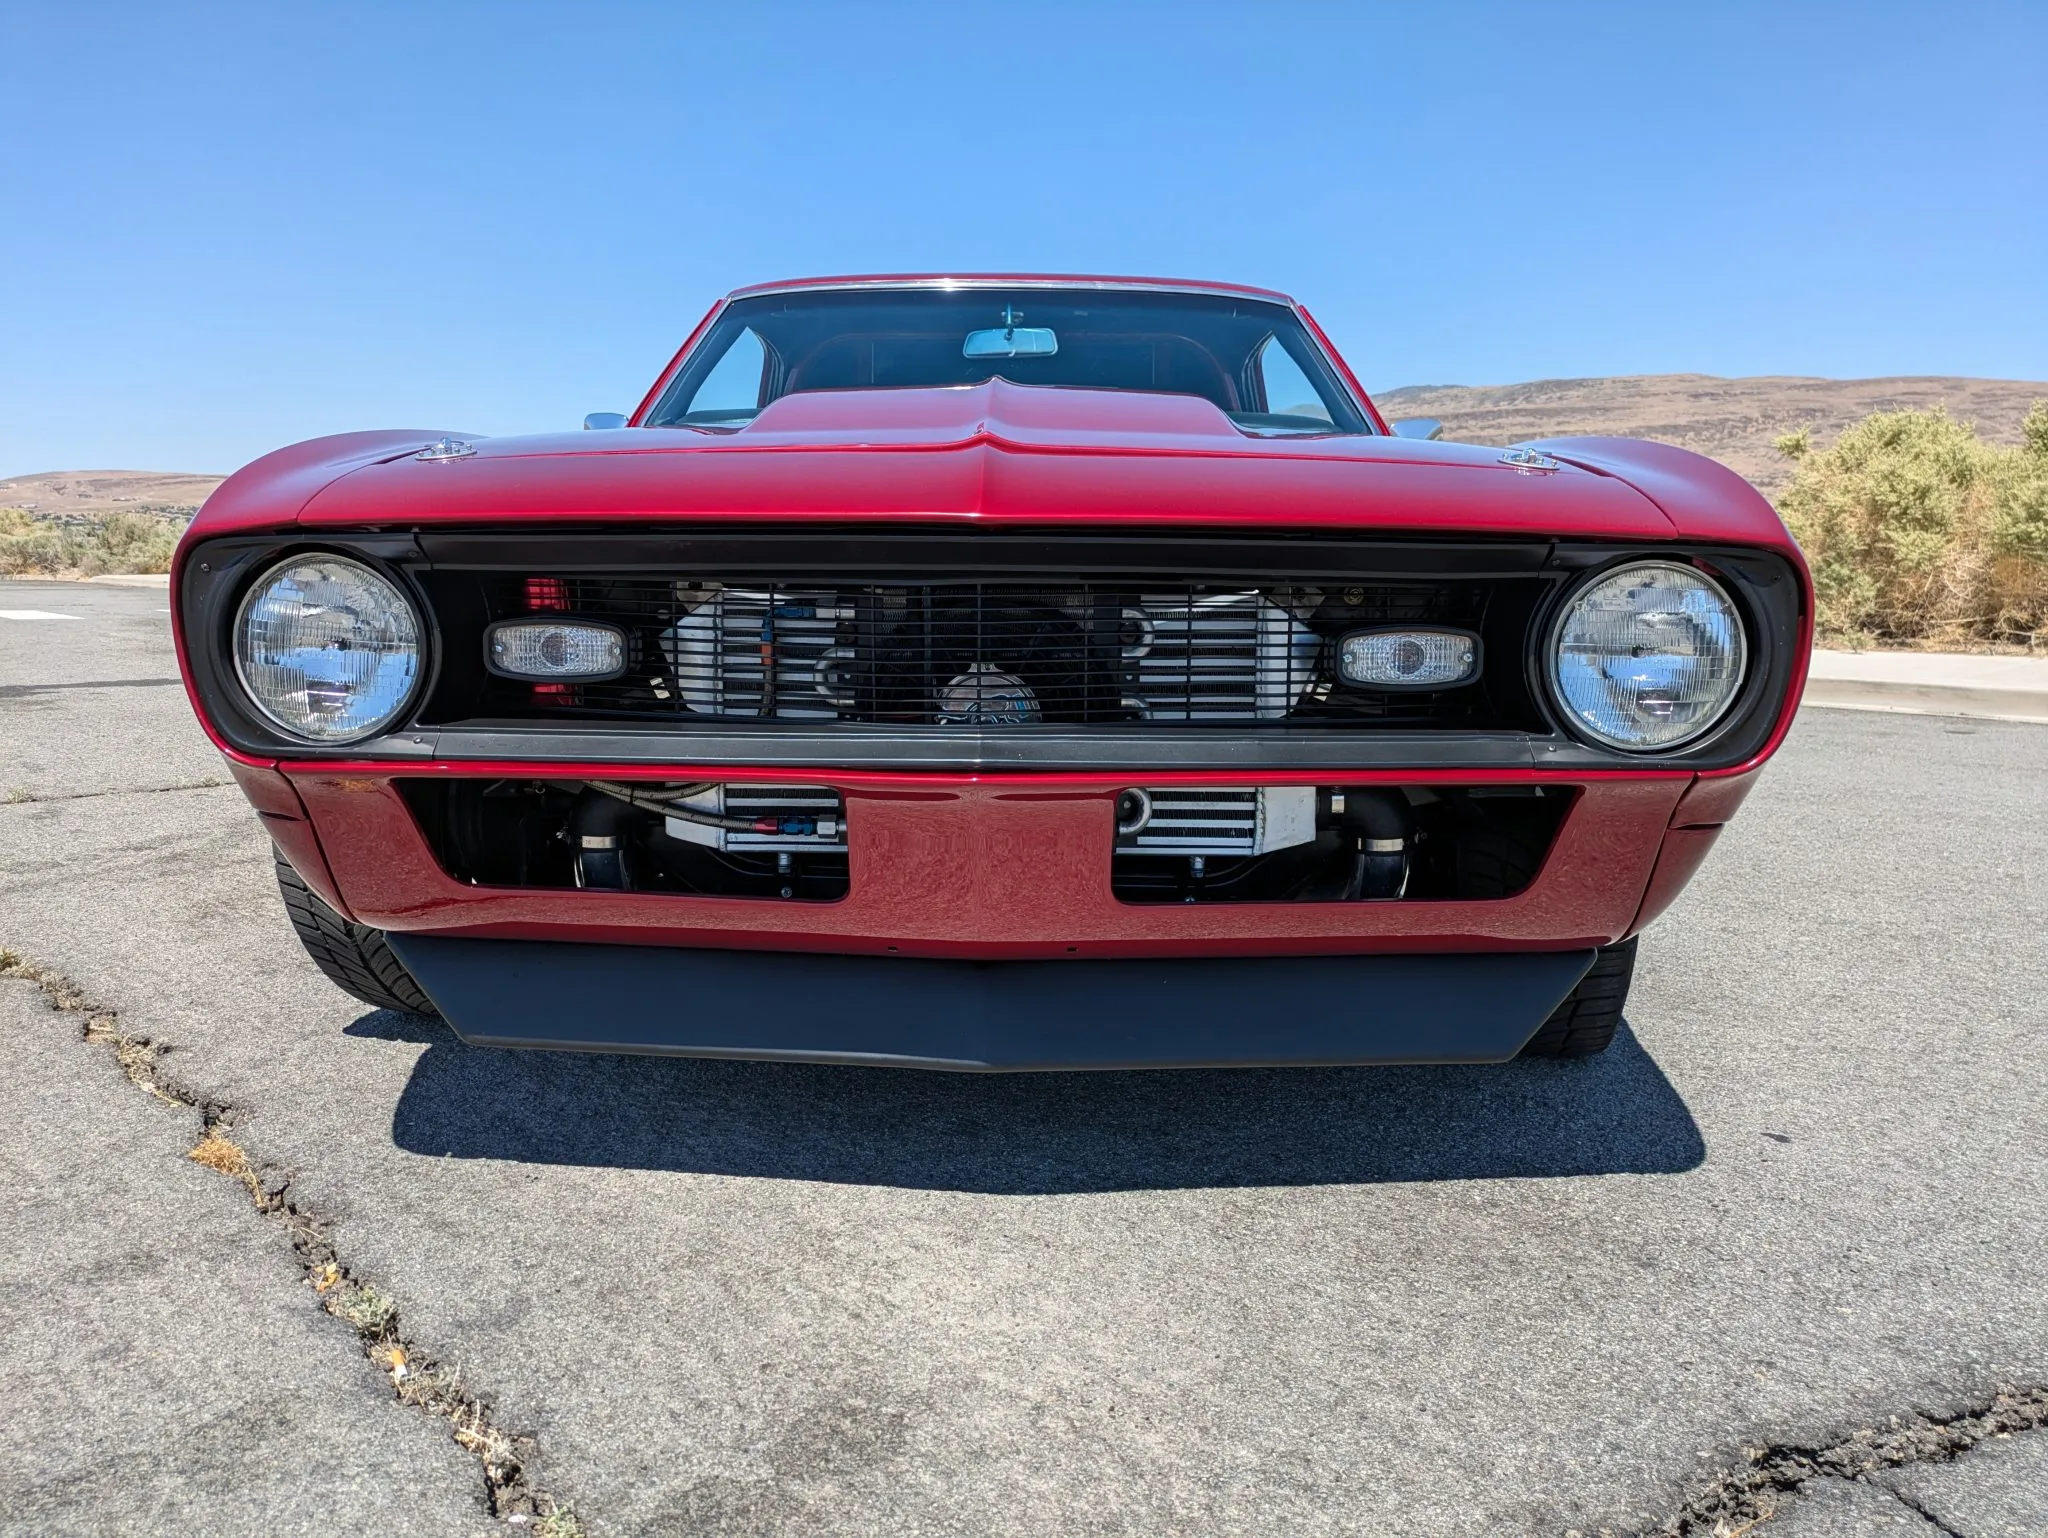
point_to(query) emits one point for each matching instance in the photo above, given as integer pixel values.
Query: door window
(731, 392)
(1286, 387)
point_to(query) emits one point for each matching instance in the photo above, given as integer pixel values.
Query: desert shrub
(1919, 530)
(28, 544)
(125, 542)
(137, 542)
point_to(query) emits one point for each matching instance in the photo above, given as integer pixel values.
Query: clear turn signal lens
(1409, 659)
(554, 650)
(328, 649)
(1648, 657)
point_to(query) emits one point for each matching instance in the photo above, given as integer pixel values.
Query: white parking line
(33, 614)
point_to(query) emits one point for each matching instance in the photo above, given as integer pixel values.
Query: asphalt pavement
(1803, 1197)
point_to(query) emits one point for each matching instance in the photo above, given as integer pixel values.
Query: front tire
(1584, 1024)
(357, 959)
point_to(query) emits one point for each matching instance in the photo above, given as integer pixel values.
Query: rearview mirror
(603, 421)
(1418, 427)
(1011, 342)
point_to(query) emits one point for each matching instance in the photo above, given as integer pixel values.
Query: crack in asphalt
(417, 1378)
(1740, 1499)
(30, 797)
(1925, 1515)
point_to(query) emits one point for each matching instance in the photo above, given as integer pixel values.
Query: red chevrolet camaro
(993, 672)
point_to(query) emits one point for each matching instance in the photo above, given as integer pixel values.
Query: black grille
(1059, 651)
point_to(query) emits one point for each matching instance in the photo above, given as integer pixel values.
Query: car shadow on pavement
(1037, 1134)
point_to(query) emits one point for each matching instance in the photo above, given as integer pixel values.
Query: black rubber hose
(1379, 821)
(597, 834)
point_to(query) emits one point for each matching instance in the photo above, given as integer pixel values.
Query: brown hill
(1733, 420)
(101, 493)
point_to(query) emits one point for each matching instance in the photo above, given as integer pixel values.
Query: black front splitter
(991, 1016)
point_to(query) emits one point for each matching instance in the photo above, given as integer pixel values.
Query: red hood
(991, 453)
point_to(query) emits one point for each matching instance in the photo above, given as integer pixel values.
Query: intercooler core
(1331, 843)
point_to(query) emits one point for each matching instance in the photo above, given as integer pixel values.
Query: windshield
(1253, 360)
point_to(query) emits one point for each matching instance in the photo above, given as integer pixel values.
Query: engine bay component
(1335, 843)
(987, 696)
(1377, 824)
(736, 651)
(760, 817)
(596, 833)
(1221, 657)
(1180, 820)
(549, 650)
(1133, 811)
(988, 654)
(700, 838)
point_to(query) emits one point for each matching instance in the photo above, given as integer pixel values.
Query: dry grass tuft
(137, 1057)
(223, 1157)
(364, 1307)
(62, 993)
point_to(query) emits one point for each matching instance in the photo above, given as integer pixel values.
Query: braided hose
(662, 805)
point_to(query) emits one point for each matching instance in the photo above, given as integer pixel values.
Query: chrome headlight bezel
(407, 600)
(1724, 714)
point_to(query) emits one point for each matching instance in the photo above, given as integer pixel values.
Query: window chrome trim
(1091, 285)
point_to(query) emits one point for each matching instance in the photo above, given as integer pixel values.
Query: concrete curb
(1931, 683)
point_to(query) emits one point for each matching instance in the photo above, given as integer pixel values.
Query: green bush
(1919, 530)
(137, 542)
(125, 542)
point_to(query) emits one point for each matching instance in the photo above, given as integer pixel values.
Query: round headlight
(1648, 657)
(327, 649)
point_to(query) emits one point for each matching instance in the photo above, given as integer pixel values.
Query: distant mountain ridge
(1733, 420)
(102, 493)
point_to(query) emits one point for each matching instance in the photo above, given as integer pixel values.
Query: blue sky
(229, 227)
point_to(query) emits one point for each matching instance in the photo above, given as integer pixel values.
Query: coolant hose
(1379, 820)
(596, 833)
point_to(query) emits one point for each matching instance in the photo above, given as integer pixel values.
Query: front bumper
(995, 868)
(1326, 1010)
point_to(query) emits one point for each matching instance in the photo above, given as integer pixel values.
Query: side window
(731, 392)
(1286, 388)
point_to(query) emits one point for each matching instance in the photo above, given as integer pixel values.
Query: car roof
(1010, 280)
